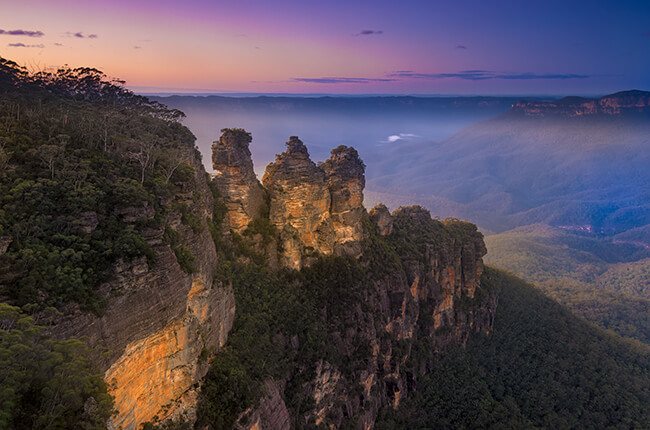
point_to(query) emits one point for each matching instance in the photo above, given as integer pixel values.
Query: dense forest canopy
(76, 150)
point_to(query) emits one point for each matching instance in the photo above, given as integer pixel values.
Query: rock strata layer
(161, 324)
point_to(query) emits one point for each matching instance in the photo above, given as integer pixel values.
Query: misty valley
(335, 262)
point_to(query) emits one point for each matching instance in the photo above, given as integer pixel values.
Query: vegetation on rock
(542, 367)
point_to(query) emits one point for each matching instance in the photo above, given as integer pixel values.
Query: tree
(50, 155)
(4, 157)
(145, 154)
(171, 159)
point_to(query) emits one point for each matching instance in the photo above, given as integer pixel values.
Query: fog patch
(397, 137)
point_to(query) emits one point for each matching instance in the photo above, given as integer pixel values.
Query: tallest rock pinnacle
(300, 202)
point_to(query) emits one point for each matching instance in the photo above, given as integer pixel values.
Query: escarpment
(390, 292)
(427, 299)
(625, 102)
(165, 317)
(117, 236)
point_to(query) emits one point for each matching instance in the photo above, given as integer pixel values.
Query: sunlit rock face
(317, 209)
(155, 375)
(346, 181)
(300, 205)
(430, 296)
(236, 179)
(161, 325)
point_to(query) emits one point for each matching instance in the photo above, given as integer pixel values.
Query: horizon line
(353, 95)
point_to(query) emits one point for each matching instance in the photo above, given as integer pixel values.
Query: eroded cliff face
(156, 375)
(411, 314)
(236, 178)
(317, 209)
(346, 181)
(300, 204)
(381, 216)
(161, 324)
(423, 291)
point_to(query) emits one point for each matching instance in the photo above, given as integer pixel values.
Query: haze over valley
(296, 215)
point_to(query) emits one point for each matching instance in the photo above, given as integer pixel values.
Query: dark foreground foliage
(47, 383)
(272, 309)
(542, 367)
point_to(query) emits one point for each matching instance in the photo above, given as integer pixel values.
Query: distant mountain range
(580, 163)
(621, 103)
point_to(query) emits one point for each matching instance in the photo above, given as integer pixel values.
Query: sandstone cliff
(412, 313)
(300, 205)
(161, 324)
(317, 209)
(410, 309)
(346, 181)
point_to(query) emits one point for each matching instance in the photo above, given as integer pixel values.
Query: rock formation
(428, 300)
(382, 217)
(346, 181)
(236, 178)
(410, 313)
(300, 205)
(317, 209)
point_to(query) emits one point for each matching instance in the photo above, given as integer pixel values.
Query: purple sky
(374, 47)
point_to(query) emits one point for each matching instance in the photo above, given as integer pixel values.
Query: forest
(542, 367)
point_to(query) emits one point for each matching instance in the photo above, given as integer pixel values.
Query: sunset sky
(356, 47)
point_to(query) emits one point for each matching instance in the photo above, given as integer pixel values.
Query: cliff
(622, 103)
(417, 305)
(108, 233)
(111, 231)
(377, 297)
(161, 324)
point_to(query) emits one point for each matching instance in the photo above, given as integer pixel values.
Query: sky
(428, 47)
